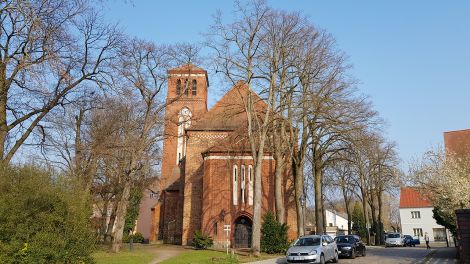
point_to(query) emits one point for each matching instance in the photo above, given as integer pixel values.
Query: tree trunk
(3, 115)
(120, 217)
(319, 218)
(380, 222)
(256, 231)
(346, 204)
(365, 214)
(112, 218)
(279, 204)
(103, 225)
(299, 193)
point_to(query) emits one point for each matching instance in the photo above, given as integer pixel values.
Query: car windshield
(308, 241)
(345, 239)
(393, 235)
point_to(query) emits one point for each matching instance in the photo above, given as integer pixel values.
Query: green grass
(201, 257)
(139, 255)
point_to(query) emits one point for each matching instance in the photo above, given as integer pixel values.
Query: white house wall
(426, 222)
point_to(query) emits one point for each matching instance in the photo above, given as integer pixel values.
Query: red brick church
(207, 171)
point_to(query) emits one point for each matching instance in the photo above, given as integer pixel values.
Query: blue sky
(411, 57)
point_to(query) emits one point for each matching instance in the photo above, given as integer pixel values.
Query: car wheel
(353, 254)
(322, 259)
(335, 259)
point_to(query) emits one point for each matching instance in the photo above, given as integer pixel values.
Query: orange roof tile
(411, 198)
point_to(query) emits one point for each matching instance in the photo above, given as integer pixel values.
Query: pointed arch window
(235, 185)
(250, 185)
(178, 87)
(242, 182)
(194, 88)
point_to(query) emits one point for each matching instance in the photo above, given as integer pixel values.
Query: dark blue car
(409, 241)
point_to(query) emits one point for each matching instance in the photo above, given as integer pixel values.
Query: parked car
(313, 249)
(409, 241)
(394, 239)
(350, 246)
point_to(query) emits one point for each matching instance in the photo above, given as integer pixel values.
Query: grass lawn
(139, 255)
(200, 257)
(215, 257)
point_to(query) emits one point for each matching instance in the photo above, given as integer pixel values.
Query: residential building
(416, 216)
(336, 224)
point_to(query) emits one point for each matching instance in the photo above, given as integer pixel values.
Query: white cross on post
(227, 232)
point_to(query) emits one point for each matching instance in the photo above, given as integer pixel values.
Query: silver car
(394, 239)
(313, 249)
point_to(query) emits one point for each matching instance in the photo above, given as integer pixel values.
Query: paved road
(392, 255)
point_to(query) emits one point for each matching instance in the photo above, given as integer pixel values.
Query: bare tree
(340, 175)
(238, 57)
(48, 50)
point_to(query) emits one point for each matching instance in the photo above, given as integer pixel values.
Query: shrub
(43, 219)
(201, 241)
(136, 238)
(273, 235)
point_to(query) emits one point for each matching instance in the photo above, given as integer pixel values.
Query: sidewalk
(445, 255)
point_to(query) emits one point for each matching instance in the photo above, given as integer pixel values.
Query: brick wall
(197, 143)
(463, 234)
(217, 203)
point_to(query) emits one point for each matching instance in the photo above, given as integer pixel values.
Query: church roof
(229, 113)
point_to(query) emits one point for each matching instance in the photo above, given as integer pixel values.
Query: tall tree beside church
(238, 56)
(141, 78)
(48, 50)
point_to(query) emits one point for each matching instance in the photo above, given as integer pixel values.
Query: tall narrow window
(250, 185)
(194, 88)
(178, 87)
(242, 182)
(184, 121)
(215, 228)
(186, 87)
(235, 185)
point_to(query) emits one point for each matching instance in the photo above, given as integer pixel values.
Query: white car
(313, 249)
(394, 240)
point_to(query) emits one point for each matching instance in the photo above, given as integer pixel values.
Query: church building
(207, 172)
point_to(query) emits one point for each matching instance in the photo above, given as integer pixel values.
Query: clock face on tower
(184, 121)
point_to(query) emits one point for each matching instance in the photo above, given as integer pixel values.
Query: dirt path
(165, 252)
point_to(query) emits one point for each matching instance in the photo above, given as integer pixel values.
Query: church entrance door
(243, 227)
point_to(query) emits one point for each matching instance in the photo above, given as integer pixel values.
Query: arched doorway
(243, 226)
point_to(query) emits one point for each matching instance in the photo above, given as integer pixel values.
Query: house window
(235, 185)
(418, 232)
(439, 234)
(250, 185)
(215, 228)
(194, 88)
(415, 215)
(242, 182)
